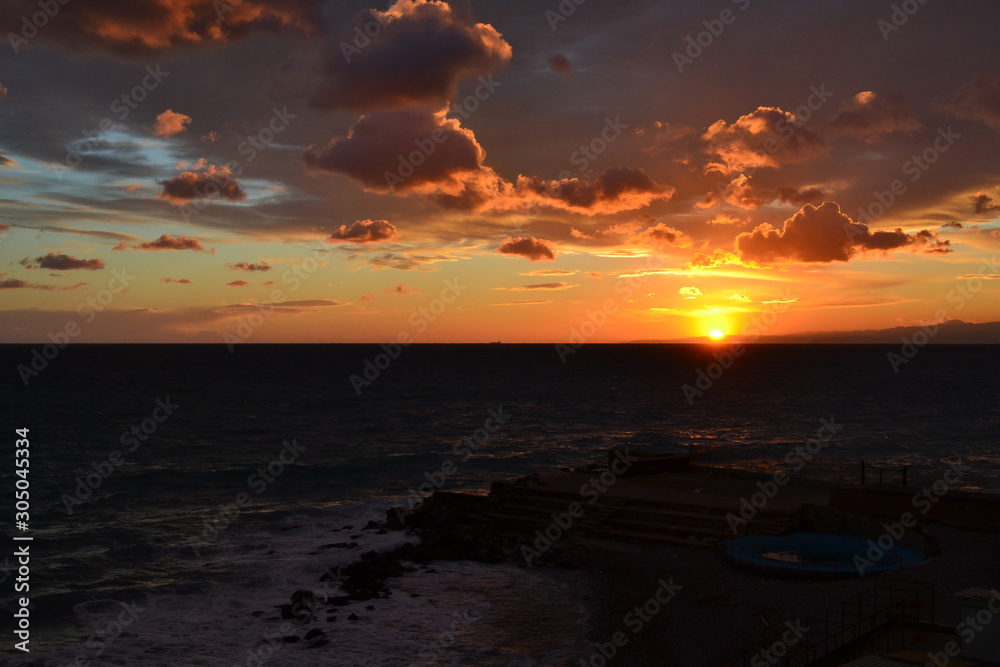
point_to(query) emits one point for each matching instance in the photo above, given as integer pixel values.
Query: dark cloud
(391, 260)
(107, 236)
(826, 234)
(148, 26)
(283, 308)
(13, 283)
(678, 141)
(364, 231)
(167, 242)
(480, 191)
(418, 54)
(793, 195)
(929, 239)
(617, 189)
(63, 263)
(4, 161)
(527, 246)
(308, 303)
(237, 283)
(178, 281)
(249, 266)
(560, 64)
(402, 289)
(17, 283)
(400, 150)
(612, 235)
(121, 158)
(662, 238)
(980, 100)
(869, 116)
(766, 137)
(537, 286)
(203, 181)
(983, 203)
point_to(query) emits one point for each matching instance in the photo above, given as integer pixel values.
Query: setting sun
(716, 334)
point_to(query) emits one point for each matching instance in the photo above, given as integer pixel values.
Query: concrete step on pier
(623, 514)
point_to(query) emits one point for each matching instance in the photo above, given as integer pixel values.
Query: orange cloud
(723, 219)
(170, 123)
(740, 192)
(146, 26)
(365, 231)
(550, 272)
(716, 258)
(401, 289)
(766, 137)
(529, 302)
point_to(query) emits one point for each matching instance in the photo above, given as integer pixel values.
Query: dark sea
(180, 493)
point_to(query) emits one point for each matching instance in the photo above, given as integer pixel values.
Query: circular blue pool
(818, 555)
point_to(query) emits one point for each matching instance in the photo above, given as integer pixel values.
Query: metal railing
(879, 475)
(853, 620)
(833, 470)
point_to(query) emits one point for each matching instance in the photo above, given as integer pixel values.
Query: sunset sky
(515, 169)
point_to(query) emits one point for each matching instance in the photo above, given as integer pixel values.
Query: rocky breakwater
(450, 526)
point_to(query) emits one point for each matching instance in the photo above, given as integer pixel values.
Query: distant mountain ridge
(949, 332)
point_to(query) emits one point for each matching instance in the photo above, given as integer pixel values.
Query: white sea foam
(445, 613)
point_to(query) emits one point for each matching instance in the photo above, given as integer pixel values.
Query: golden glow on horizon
(716, 334)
